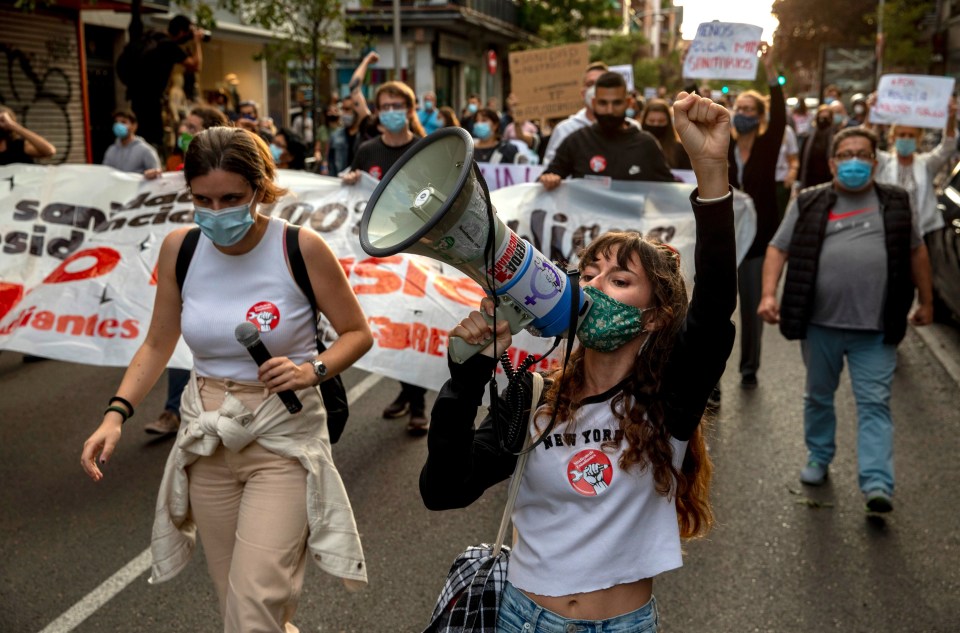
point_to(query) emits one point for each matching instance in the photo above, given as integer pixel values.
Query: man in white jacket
(913, 171)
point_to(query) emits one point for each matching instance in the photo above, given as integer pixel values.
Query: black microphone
(248, 336)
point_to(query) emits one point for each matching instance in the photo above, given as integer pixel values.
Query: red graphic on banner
(376, 172)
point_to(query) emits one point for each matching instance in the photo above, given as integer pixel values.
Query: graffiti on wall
(38, 90)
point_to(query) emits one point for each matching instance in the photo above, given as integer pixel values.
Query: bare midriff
(601, 604)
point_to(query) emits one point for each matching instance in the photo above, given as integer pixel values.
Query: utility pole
(655, 36)
(397, 65)
(880, 41)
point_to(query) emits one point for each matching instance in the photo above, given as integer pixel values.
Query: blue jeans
(177, 380)
(871, 374)
(520, 614)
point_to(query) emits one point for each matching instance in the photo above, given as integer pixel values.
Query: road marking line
(363, 387)
(88, 605)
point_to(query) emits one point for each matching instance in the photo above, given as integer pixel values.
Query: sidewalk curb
(938, 347)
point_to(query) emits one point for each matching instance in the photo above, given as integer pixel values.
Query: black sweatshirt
(375, 157)
(629, 154)
(462, 461)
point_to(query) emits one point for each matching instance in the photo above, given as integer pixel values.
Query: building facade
(454, 48)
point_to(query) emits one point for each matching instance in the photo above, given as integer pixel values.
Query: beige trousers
(250, 511)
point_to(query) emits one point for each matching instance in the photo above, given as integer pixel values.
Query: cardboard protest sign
(723, 50)
(547, 81)
(914, 100)
(626, 71)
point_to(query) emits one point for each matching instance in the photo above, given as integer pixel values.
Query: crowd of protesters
(805, 166)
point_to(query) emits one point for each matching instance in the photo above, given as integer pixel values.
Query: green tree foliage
(806, 25)
(634, 49)
(908, 46)
(566, 21)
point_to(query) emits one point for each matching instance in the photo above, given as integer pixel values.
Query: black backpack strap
(297, 266)
(187, 249)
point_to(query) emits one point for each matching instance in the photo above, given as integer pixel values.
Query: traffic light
(781, 79)
(725, 90)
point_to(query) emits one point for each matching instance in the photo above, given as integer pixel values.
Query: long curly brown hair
(641, 417)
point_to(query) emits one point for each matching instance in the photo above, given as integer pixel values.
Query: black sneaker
(418, 424)
(714, 400)
(397, 409)
(748, 381)
(879, 501)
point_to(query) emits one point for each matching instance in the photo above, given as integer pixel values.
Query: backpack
(332, 389)
(130, 65)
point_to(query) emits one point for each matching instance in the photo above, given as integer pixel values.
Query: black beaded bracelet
(120, 410)
(125, 403)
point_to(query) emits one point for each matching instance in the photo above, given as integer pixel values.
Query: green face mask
(610, 324)
(183, 141)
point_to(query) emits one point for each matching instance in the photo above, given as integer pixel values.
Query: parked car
(944, 248)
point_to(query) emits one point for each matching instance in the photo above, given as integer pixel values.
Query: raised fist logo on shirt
(265, 315)
(590, 472)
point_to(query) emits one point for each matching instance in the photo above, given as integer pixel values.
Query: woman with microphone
(624, 474)
(257, 482)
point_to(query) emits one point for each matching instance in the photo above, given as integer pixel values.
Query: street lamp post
(880, 42)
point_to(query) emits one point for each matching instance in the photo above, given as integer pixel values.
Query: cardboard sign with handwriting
(913, 100)
(723, 50)
(547, 81)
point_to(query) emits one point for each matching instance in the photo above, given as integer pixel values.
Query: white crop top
(221, 291)
(583, 523)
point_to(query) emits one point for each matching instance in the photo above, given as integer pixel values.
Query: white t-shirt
(583, 522)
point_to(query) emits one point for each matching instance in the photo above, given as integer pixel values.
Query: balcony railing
(503, 10)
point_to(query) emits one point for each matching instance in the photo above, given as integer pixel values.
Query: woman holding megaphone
(623, 476)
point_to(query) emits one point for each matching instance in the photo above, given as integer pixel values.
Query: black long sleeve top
(463, 461)
(759, 172)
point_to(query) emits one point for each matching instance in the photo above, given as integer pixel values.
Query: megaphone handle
(518, 319)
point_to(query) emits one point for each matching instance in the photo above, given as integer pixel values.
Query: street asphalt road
(782, 558)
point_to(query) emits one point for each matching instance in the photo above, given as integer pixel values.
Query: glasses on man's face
(864, 155)
(393, 107)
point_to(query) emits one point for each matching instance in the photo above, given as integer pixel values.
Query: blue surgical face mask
(854, 174)
(482, 130)
(394, 120)
(472, 108)
(276, 152)
(838, 119)
(120, 130)
(225, 227)
(631, 113)
(829, 100)
(745, 124)
(905, 146)
(428, 105)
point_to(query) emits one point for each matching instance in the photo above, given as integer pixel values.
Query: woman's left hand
(281, 374)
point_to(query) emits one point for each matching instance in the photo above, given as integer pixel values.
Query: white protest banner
(625, 71)
(506, 175)
(913, 100)
(723, 50)
(81, 242)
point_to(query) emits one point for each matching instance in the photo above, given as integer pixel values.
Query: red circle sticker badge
(598, 163)
(264, 315)
(376, 172)
(590, 472)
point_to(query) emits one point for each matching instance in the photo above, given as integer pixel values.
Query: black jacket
(759, 172)
(462, 461)
(813, 207)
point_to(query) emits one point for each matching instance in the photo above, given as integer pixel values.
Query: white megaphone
(434, 202)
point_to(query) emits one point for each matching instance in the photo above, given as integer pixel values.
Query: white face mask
(589, 96)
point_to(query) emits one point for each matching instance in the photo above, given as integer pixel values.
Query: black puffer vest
(814, 206)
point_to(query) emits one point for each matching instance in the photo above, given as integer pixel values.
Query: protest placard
(625, 71)
(547, 81)
(913, 100)
(723, 50)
